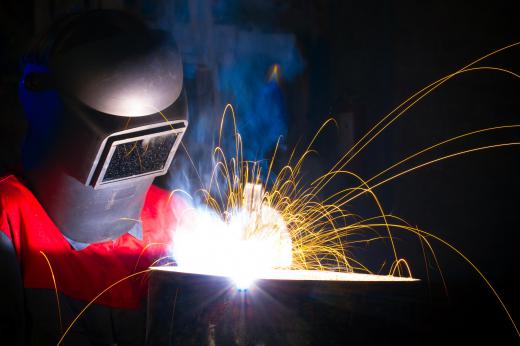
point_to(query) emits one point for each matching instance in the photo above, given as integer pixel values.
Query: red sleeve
(160, 214)
(4, 225)
(9, 201)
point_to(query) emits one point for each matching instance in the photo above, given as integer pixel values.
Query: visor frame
(105, 153)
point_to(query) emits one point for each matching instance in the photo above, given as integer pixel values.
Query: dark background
(361, 59)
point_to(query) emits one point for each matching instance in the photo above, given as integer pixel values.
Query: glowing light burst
(278, 229)
(248, 226)
(243, 247)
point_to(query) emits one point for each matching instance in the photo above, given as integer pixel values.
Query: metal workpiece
(200, 309)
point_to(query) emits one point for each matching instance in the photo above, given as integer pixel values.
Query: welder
(106, 110)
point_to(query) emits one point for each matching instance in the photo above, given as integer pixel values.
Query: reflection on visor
(142, 156)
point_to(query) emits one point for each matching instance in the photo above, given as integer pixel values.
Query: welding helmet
(106, 111)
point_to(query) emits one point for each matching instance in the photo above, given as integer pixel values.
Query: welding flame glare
(247, 245)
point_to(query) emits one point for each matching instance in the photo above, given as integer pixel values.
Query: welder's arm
(12, 322)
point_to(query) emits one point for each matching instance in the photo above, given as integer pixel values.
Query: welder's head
(104, 100)
(106, 110)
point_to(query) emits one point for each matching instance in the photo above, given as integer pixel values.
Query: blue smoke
(235, 62)
(259, 104)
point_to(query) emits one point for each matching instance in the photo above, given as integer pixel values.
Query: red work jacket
(83, 274)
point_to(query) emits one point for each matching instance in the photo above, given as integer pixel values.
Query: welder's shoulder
(12, 192)
(14, 198)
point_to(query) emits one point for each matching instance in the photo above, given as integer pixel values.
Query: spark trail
(257, 224)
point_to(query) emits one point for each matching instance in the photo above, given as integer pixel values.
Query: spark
(274, 74)
(58, 306)
(85, 308)
(252, 226)
(248, 226)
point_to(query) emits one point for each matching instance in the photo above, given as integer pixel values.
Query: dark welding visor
(141, 153)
